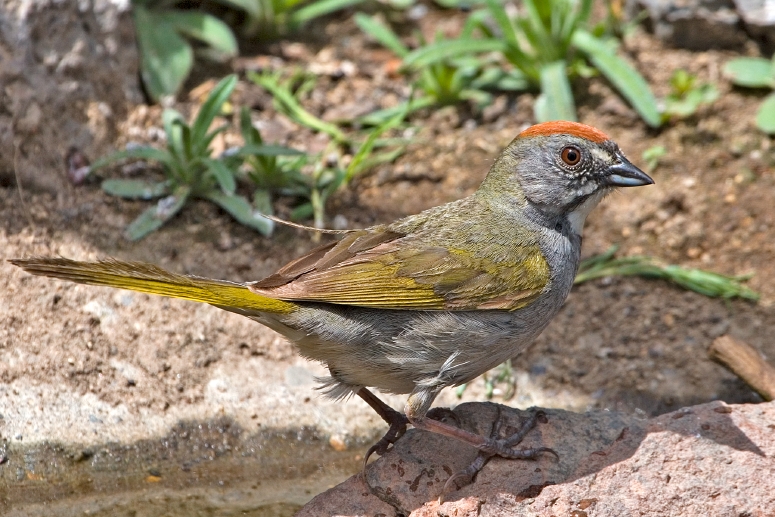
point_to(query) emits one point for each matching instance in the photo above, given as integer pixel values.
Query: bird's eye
(571, 155)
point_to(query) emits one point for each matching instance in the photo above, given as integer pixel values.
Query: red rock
(711, 459)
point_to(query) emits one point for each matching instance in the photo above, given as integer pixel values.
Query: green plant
(286, 102)
(445, 71)
(503, 374)
(548, 43)
(686, 96)
(756, 72)
(166, 55)
(164, 28)
(268, 19)
(189, 168)
(271, 168)
(652, 156)
(327, 179)
(697, 280)
(325, 176)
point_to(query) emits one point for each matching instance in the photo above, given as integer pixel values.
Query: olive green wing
(387, 270)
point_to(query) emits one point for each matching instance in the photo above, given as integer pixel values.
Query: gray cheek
(586, 189)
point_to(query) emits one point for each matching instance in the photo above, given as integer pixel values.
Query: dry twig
(745, 362)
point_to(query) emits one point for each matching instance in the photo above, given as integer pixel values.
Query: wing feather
(383, 269)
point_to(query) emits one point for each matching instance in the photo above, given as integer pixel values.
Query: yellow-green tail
(147, 278)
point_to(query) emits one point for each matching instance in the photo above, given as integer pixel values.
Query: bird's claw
(497, 447)
(396, 431)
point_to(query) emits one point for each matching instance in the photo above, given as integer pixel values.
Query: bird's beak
(625, 174)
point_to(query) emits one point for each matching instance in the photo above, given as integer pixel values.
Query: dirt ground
(626, 344)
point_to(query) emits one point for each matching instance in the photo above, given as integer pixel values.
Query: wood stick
(745, 362)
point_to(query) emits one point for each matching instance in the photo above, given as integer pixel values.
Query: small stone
(337, 443)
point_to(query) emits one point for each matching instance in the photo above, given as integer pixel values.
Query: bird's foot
(495, 446)
(397, 429)
(397, 422)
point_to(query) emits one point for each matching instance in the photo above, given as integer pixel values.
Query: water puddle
(212, 468)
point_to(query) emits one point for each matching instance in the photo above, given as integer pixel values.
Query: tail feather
(147, 278)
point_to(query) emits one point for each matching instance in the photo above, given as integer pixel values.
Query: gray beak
(625, 174)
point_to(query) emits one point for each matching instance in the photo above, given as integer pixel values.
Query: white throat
(577, 217)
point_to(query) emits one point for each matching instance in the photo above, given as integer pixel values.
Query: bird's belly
(395, 351)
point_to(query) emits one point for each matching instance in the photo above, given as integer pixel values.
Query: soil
(622, 343)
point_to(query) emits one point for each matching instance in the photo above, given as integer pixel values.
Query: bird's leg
(394, 419)
(487, 446)
(467, 475)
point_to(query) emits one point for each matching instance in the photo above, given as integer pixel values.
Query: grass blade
(382, 33)
(135, 189)
(378, 117)
(210, 108)
(504, 23)
(223, 175)
(288, 104)
(317, 9)
(155, 216)
(704, 282)
(624, 78)
(136, 153)
(239, 208)
(447, 49)
(205, 28)
(556, 101)
(166, 58)
(267, 150)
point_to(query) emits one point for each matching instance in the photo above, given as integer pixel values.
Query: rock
(701, 460)
(695, 24)
(759, 18)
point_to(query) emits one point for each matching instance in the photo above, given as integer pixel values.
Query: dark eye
(571, 155)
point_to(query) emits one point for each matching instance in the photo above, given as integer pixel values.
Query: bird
(431, 300)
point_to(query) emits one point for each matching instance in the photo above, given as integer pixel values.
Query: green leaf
(267, 150)
(155, 216)
(539, 37)
(165, 57)
(135, 189)
(698, 280)
(556, 100)
(359, 159)
(504, 23)
(382, 33)
(317, 9)
(173, 123)
(210, 108)
(303, 211)
(223, 175)
(136, 153)
(249, 133)
(289, 105)
(252, 7)
(378, 117)
(498, 79)
(751, 72)
(446, 49)
(262, 201)
(765, 117)
(239, 208)
(204, 27)
(624, 78)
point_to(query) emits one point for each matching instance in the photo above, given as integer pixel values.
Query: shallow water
(212, 468)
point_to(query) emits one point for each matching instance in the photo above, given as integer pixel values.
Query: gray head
(562, 169)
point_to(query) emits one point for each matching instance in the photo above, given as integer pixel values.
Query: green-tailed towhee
(431, 300)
